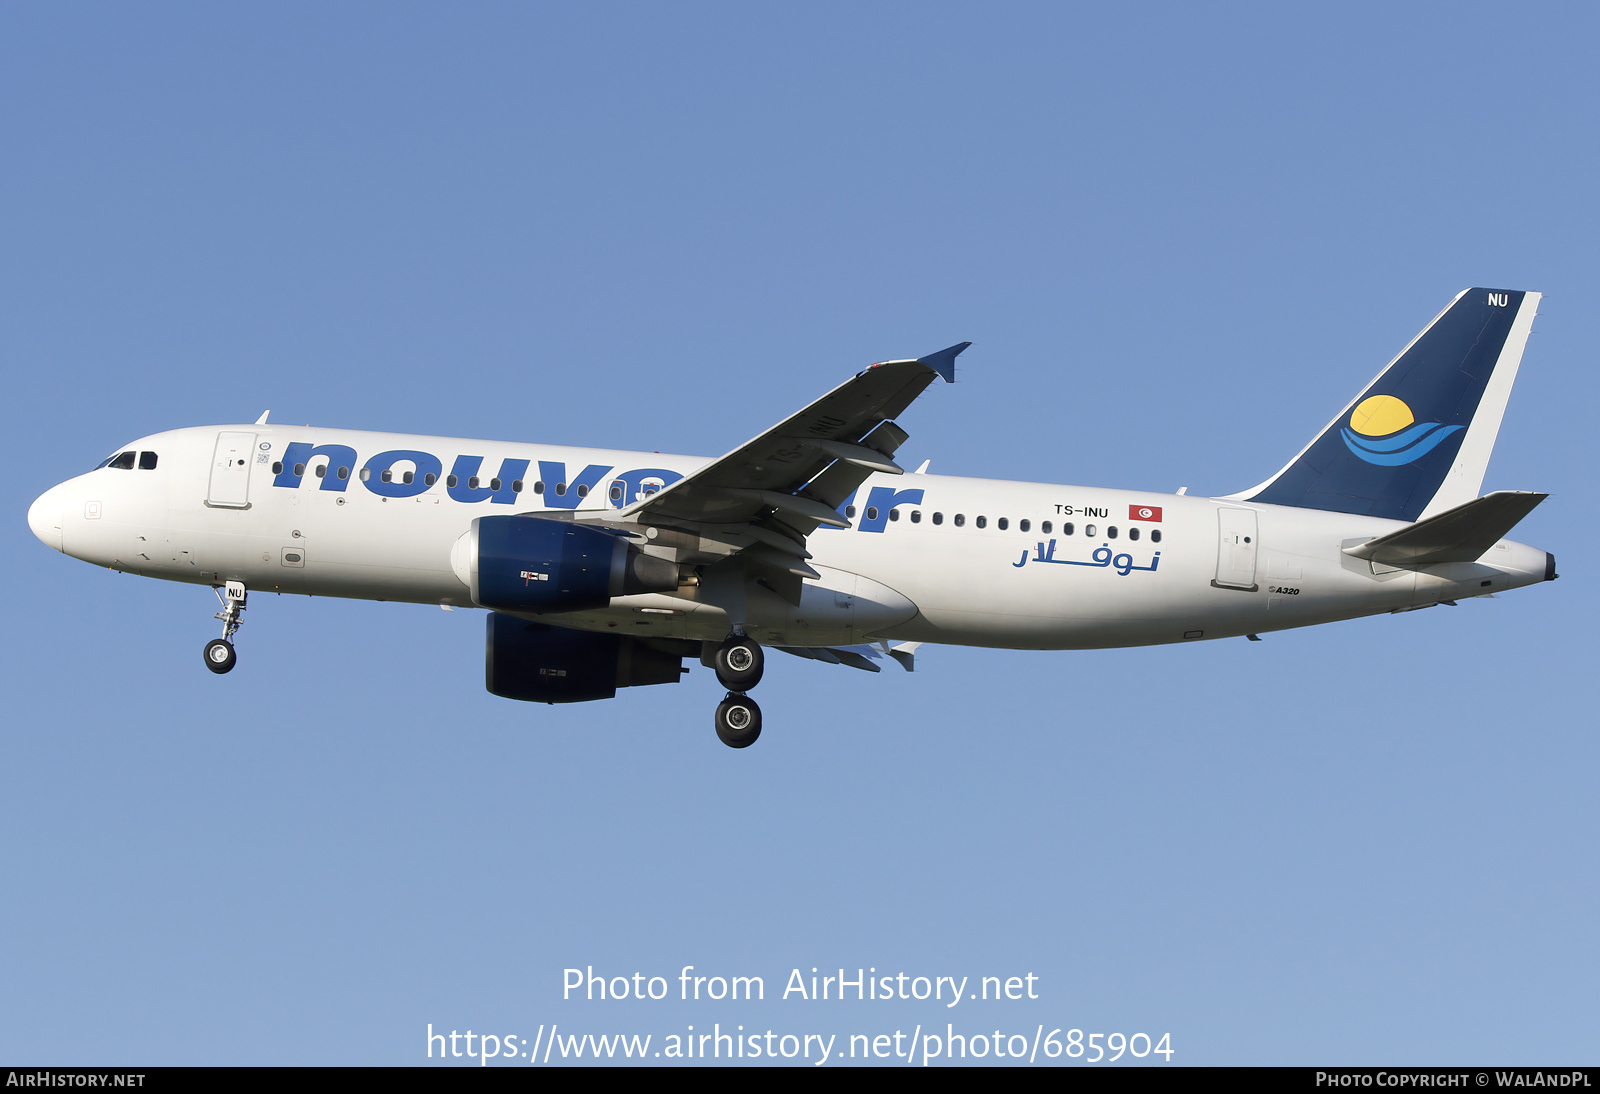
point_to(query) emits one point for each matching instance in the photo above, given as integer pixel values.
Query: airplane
(603, 569)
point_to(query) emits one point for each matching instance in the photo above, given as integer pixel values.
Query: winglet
(944, 362)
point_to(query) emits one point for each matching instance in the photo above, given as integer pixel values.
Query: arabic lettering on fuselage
(1102, 557)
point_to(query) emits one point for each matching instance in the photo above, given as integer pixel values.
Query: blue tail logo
(1383, 431)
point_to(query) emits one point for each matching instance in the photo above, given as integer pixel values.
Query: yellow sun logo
(1380, 416)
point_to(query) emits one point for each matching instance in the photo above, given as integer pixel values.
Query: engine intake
(540, 663)
(528, 564)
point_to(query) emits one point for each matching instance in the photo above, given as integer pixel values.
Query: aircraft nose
(45, 517)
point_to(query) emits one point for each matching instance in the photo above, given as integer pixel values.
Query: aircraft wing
(766, 496)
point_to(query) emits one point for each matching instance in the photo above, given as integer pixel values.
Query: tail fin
(1417, 440)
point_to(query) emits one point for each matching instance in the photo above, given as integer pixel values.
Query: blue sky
(1179, 238)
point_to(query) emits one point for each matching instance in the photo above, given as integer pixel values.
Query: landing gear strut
(738, 720)
(219, 653)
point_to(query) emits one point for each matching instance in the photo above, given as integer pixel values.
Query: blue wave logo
(1383, 431)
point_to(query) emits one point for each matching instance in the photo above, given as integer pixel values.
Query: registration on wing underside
(1102, 557)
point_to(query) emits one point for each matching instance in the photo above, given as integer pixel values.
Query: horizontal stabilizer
(1461, 534)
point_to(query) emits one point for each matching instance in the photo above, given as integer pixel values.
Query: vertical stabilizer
(1417, 440)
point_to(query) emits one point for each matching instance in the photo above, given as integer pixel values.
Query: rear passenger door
(1236, 549)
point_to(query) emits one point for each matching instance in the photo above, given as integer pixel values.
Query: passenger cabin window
(409, 477)
(1066, 529)
(322, 470)
(277, 468)
(850, 512)
(344, 473)
(916, 516)
(494, 484)
(387, 476)
(516, 486)
(429, 479)
(538, 488)
(1045, 528)
(561, 489)
(1002, 524)
(1088, 530)
(872, 512)
(938, 518)
(147, 461)
(894, 514)
(583, 491)
(366, 474)
(472, 483)
(1111, 532)
(961, 519)
(1133, 533)
(1155, 535)
(450, 481)
(1025, 525)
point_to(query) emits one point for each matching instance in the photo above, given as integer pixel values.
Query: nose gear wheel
(220, 656)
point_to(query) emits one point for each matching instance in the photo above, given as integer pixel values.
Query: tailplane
(1417, 440)
(1462, 534)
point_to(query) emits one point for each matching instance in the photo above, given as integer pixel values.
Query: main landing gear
(219, 653)
(738, 720)
(739, 663)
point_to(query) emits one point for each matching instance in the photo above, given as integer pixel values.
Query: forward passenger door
(230, 471)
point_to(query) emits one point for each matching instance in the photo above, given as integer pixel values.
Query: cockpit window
(122, 461)
(147, 461)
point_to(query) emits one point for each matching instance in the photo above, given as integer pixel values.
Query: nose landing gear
(219, 654)
(739, 663)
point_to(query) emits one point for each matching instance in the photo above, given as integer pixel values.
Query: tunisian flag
(1145, 512)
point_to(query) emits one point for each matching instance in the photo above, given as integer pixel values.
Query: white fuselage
(944, 569)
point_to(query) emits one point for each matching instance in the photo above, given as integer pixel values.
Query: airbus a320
(603, 569)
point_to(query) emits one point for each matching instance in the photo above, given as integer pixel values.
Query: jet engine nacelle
(528, 564)
(541, 663)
